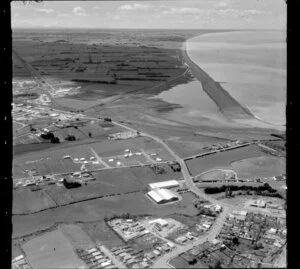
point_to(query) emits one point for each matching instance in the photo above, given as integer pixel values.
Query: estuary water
(250, 65)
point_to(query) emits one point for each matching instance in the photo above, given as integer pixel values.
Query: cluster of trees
(71, 184)
(265, 190)
(228, 192)
(120, 216)
(176, 167)
(55, 140)
(207, 212)
(71, 138)
(47, 136)
(50, 136)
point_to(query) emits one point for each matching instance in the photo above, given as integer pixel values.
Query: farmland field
(265, 166)
(76, 236)
(25, 201)
(216, 174)
(108, 182)
(51, 250)
(52, 161)
(17, 125)
(97, 209)
(100, 232)
(222, 159)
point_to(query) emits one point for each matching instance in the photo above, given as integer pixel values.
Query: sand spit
(226, 103)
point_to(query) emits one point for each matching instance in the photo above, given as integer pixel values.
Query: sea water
(250, 65)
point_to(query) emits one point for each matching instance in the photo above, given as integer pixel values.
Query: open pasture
(108, 182)
(223, 159)
(26, 201)
(97, 209)
(264, 166)
(26, 139)
(78, 237)
(100, 232)
(43, 166)
(51, 250)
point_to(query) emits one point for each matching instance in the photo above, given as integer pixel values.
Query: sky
(180, 14)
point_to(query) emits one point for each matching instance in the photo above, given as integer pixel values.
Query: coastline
(225, 102)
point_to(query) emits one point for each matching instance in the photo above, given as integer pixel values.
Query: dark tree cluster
(265, 190)
(70, 138)
(70, 185)
(47, 136)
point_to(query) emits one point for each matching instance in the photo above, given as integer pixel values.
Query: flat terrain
(26, 201)
(107, 183)
(265, 166)
(100, 232)
(223, 159)
(53, 162)
(51, 250)
(96, 210)
(109, 74)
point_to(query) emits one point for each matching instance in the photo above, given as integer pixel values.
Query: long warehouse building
(164, 184)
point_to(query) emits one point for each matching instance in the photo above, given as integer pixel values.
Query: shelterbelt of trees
(264, 190)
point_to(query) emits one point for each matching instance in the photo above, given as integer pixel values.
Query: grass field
(51, 250)
(78, 238)
(223, 159)
(17, 125)
(26, 201)
(100, 232)
(213, 175)
(97, 209)
(265, 166)
(52, 162)
(108, 182)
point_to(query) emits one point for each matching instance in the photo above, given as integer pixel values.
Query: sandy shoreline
(226, 103)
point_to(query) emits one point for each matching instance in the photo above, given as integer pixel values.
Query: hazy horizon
(188, 14)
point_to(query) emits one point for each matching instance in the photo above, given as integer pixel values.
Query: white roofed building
(162, 195)
(155, 196)
(164, 184)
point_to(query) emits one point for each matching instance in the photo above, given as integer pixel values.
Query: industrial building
(164, 184)
(161, 222)
(161, 196)
(258, 203)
